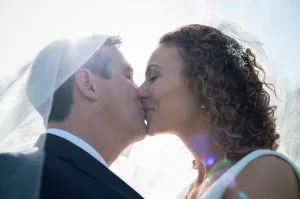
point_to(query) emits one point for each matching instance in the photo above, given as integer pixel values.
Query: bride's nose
(143, 92)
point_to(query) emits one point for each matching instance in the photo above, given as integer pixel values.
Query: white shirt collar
(78, 142)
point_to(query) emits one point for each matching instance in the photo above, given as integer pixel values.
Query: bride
(205, 87)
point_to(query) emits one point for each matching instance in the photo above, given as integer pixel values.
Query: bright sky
(27, 26)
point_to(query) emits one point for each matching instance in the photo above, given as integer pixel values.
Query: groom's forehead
(115, 57)
(113, 53)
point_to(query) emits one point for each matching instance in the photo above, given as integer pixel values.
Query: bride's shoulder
(267, 176)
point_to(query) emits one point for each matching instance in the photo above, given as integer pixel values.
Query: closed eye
(130, 78)
(153, 76)
(128, 73)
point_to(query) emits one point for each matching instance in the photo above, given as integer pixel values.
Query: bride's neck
(203, 148)
(199, 139)
(209, 157)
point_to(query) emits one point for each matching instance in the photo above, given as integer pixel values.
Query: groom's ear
(85, 83)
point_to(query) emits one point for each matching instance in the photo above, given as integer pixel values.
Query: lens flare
(209, 160)
(199, 144)
(243, 195)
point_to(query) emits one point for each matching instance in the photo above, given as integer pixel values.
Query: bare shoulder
(266, 177)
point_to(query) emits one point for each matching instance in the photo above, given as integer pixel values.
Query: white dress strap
(218, 188)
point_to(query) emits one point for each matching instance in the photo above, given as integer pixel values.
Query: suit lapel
(85, 163)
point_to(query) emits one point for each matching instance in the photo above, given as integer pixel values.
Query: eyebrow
(152, 66)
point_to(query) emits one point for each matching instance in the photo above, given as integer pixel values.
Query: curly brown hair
(229, 88)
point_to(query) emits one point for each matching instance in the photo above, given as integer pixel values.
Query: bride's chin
(151, 133)
(154, 131)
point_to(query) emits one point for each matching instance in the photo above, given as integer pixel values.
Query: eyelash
(152, 78)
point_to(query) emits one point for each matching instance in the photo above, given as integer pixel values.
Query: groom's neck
(104, 138)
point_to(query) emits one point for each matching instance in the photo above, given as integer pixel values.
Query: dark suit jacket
(67, 172)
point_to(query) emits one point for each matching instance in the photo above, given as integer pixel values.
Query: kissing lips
(143, 112)
(148, 112)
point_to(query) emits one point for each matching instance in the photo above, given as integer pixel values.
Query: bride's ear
(85, 83)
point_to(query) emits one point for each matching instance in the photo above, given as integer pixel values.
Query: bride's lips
(141, 109)
(148, 109)
(143, 113)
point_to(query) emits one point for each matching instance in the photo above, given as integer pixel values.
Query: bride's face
(170, 106)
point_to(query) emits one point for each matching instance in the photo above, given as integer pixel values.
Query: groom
(95, 115)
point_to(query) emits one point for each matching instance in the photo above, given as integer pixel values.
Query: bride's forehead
(165, 52)
(165, 56)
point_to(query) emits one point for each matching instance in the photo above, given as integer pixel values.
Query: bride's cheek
(154, 93)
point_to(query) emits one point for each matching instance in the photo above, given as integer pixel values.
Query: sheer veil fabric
(155, 168)
(33, 89)
(161, 168)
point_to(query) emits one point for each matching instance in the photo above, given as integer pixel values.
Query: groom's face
(120, 100)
